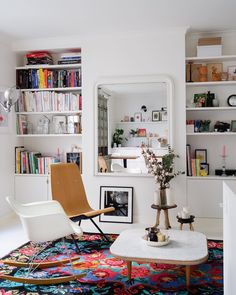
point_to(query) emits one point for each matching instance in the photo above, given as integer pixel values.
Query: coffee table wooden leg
(129, 268)
(188, 271)
(158, 218)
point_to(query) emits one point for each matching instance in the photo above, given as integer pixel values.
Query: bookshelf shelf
(211, 177)
(64, 89)
(210, 83)
(50, 113)
(211, 58)
(140, 123)
(62, 66)
(211, 109)
(211, 134)
(49, 135)
(31, 174)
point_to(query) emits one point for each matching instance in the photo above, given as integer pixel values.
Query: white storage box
(211, 50)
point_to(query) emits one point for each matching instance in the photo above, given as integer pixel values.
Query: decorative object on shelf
(228, 172)
(210, 99)
(214, 71)
(231, 73)
(117, 137)
(200, 99)
(73, 124)
(162, 168)
(221, 126)
(203, 73)
(155, 116)
(224, 76)
(201, 154)
(231, 100)
(223, 155)
(138, 117)
(189, 126)
(144, 108)
(204, 125)
(233, 126)
(141, 132)
(59, 124)
(163, 141)
(9, 97)
(192, 72)
(204, 169)
(121, 198)
(131, 119)
(126, 119)
(75, 157)
(163, 114)
(133, 132)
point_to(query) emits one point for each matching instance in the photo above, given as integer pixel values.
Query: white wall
(7, 140)
(144, 53)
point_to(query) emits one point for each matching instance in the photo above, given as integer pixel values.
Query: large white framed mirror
(131, 113)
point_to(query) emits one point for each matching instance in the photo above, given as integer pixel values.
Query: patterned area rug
(108, 275)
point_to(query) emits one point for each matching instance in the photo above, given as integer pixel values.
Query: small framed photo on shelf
(142, 132)
(233, 126)
(75, 157)
(155, 116)
(121, 198)
(163, 114)
(231, 73)
(201, 154)
(138, 117)
(204, 167)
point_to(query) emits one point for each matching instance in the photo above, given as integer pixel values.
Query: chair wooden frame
(68, 189)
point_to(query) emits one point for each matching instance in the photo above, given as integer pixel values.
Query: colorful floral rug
(108, 275)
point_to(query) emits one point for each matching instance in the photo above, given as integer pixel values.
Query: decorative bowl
(156, 244)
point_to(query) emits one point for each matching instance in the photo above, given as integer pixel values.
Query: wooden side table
(189, 220)
(165, 209)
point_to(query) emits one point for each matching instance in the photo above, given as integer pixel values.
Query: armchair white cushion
(44, 221)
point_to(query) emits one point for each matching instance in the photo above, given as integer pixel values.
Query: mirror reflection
(130, 116)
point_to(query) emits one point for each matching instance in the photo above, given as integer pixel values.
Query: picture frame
(155, 116)
(142, 132)
(211, 67)
(205, 167)
(75, 157)
(137, 117)
(233, 126)
(121, 198)
(201, 154)
(163, 115)
(231, 72)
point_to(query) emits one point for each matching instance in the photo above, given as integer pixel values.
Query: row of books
(193, 164)
(28, 162)
(47, 101)
(45, 78)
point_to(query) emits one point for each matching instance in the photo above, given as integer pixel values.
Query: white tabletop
(185, 247)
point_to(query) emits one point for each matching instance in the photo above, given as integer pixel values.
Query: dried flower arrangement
(162, 167)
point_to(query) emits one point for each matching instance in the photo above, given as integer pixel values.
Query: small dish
(156, 244)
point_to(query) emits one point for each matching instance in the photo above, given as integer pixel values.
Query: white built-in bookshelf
(48, 119)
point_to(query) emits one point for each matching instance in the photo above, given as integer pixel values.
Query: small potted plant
(133, 132)
(117, 137)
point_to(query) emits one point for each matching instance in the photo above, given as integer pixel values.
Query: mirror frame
(132, 80)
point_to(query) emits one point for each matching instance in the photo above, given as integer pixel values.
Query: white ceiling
(54, 18)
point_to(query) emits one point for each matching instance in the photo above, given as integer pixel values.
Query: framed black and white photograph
(75, 157)
(201, 154)
(205, 168)
(155, 116)
(121, 198)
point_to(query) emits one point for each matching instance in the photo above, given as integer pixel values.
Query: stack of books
(70, 58)
(39, 57)
(28, 162)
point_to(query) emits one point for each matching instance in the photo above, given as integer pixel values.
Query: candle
(224, 151)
